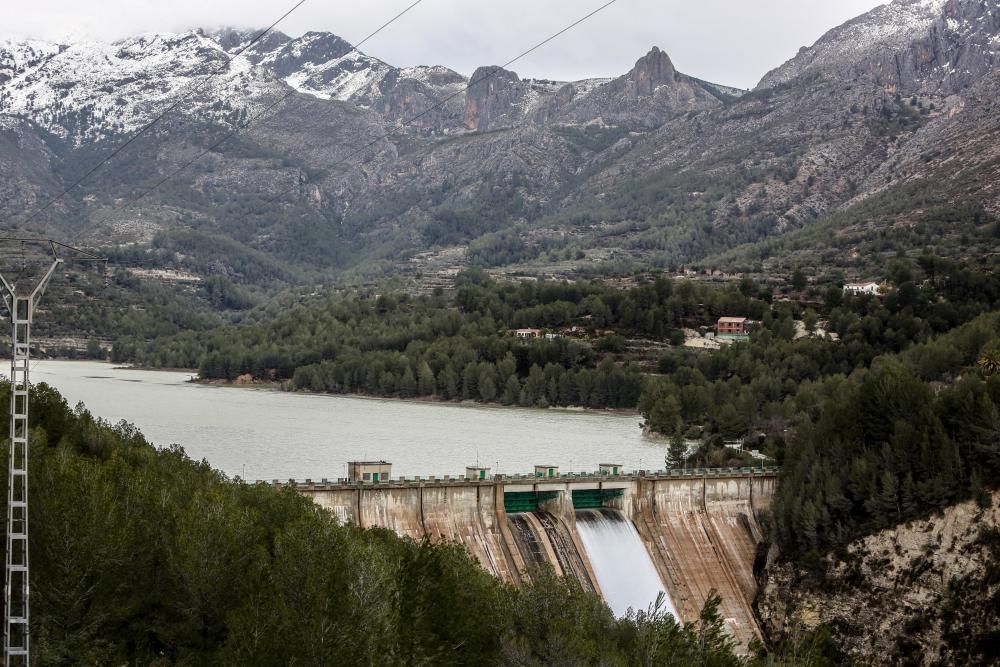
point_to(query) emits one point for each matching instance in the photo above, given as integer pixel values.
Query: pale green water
(278, 435)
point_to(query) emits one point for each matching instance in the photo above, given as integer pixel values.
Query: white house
(526, 334)
(862, 288)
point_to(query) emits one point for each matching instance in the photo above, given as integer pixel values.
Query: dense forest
(916, 431)
(143, 556)
(455, 348)
(460, 347)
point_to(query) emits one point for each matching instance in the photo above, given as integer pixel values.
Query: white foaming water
(620, 561)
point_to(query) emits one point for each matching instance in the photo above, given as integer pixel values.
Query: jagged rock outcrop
(422, 97)
(495, 98)
(646, 97)
(923, 593)
(313, 49)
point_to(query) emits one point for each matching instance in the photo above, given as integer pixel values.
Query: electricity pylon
(21, 304)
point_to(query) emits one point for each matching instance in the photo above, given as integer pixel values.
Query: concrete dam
(624, 536)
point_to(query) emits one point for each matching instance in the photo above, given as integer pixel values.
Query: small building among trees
(527, 334)
(871, 288)
(733, 326)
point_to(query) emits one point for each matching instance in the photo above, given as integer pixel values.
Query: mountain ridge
(653, 168)
(40, 78)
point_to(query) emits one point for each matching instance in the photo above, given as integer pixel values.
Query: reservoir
(268, 434)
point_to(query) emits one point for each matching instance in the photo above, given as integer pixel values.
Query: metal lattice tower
(21, 305)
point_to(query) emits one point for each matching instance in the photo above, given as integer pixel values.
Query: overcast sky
(732, 42)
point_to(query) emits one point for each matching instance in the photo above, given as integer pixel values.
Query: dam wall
(702, 535)
(700, 527)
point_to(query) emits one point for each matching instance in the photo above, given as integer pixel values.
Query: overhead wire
(235, 55)
(493, 72)
(288, 94)
(292, 90)
(145, 128)
(408, 121)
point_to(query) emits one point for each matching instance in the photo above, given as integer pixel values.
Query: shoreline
(430, 400)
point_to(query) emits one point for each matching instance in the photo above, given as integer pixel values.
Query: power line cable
(158, 118)
(493, 72)
(292, 90)
(267, 110)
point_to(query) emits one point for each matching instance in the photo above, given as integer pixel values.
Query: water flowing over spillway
(620, 561)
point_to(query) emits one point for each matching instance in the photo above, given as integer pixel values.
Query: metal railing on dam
(521, 478)
(699, 526)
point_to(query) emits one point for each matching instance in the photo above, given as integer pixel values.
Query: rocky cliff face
(25, 167)
(909, 46)
(927, 592)
(496, 98)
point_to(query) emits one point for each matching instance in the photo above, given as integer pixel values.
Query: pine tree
(889, 496)
(487, 387)
(408, 384)
(665, 414)
(387, 384)
(511, 390)
(678, 449)
(425, 379)
(448, 383)
(470, 381)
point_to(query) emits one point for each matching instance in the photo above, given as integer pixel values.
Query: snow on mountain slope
(86, 91)
(884, 30)
(341, 78)
(92, 89)
(16, 56)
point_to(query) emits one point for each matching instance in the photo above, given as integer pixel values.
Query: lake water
(268, 434)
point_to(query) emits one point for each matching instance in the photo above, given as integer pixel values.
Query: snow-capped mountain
(920, 45)
(92, 89)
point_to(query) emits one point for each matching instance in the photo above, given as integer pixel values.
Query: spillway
(620, 562)
(542, 538)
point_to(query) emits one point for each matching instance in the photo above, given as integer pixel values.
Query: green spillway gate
(587, 499)
(526, 501)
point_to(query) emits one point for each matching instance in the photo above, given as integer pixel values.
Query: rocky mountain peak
(312, 48)
(234, 39)
(653, 70)
(911, 46)
(647, 96)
